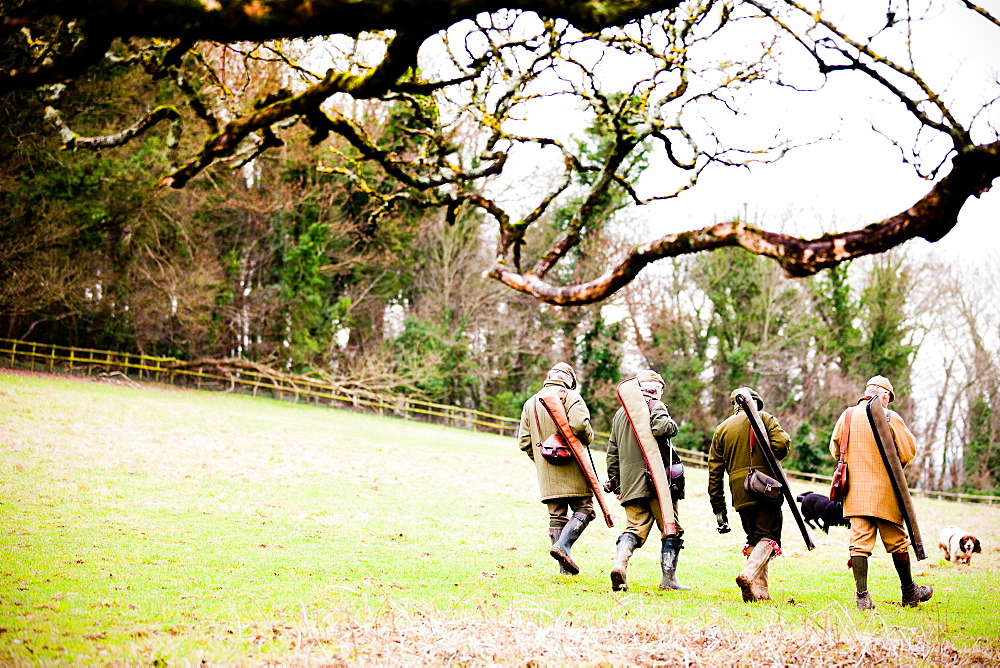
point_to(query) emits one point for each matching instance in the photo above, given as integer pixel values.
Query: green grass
(156, 525)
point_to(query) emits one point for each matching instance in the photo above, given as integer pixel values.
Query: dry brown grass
(402, 638)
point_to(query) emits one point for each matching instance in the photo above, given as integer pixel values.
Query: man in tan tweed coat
(563, 488)
(871, 503)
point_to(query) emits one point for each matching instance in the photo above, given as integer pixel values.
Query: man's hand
(611, 486)
(723, 522)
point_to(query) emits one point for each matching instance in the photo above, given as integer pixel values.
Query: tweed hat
(649, 376)
(883, 382)
(753, 393)
(557, 373)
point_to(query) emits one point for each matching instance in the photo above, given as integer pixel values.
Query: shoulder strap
(538, 427)
(673, 453)
(753, 440)
(845, 433)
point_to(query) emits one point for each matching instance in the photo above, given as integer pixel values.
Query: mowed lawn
(150, 525)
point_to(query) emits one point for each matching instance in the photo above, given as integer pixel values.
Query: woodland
(355, 190)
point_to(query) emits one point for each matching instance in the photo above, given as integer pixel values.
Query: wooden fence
(220, 377)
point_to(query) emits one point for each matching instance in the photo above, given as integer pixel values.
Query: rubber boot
(554, 536)
(627, 543)
(912, 592)
(750, 579)
(670, 550)
(860, 567)
(759, 586)
(570, 532)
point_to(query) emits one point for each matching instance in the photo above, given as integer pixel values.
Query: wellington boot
(554, 536)
(669, 553)
(753, 587)
(759, 586)
(570, 533)
(627, 543)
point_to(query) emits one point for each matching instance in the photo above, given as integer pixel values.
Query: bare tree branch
(252, 20)
(503, 60)
(60, 67)
(930, 218)
(72, 140)
(982, 12)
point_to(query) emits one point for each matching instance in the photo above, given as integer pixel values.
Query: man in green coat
(630, 482)
(761, 519)
(563, 488)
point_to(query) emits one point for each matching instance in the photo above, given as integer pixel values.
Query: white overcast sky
(857, 177)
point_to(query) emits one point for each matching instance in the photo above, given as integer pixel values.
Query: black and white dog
(821, 510)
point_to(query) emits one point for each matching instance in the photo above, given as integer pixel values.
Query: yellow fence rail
(216, 376)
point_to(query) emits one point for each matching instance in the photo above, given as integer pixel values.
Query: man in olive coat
(871, 503)
(563, 488)
(630, 482)
(761, 519)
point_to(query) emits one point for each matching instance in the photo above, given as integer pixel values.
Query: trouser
(863, 530)
(760, 521)
(640, 515)
(560, 510)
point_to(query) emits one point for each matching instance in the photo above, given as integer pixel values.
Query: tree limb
(932, 217)
(399, 57)
(58, 68)
(72, 140)
(253, 20)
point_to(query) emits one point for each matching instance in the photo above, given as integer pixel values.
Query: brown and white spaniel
(958, 544)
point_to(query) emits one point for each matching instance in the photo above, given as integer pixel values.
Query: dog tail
(802, 496)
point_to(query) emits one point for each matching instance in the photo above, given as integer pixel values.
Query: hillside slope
(145, 522)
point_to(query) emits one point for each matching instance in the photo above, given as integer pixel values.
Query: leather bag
(674, 471)
(554, 449)
(838, 488)
(677, 480)
(760, 484)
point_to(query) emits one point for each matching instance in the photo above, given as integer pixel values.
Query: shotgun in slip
(749, 406)
(637, 412)
(879, 421)
(554, 407)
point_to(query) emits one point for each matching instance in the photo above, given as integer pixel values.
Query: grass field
(154, 526)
